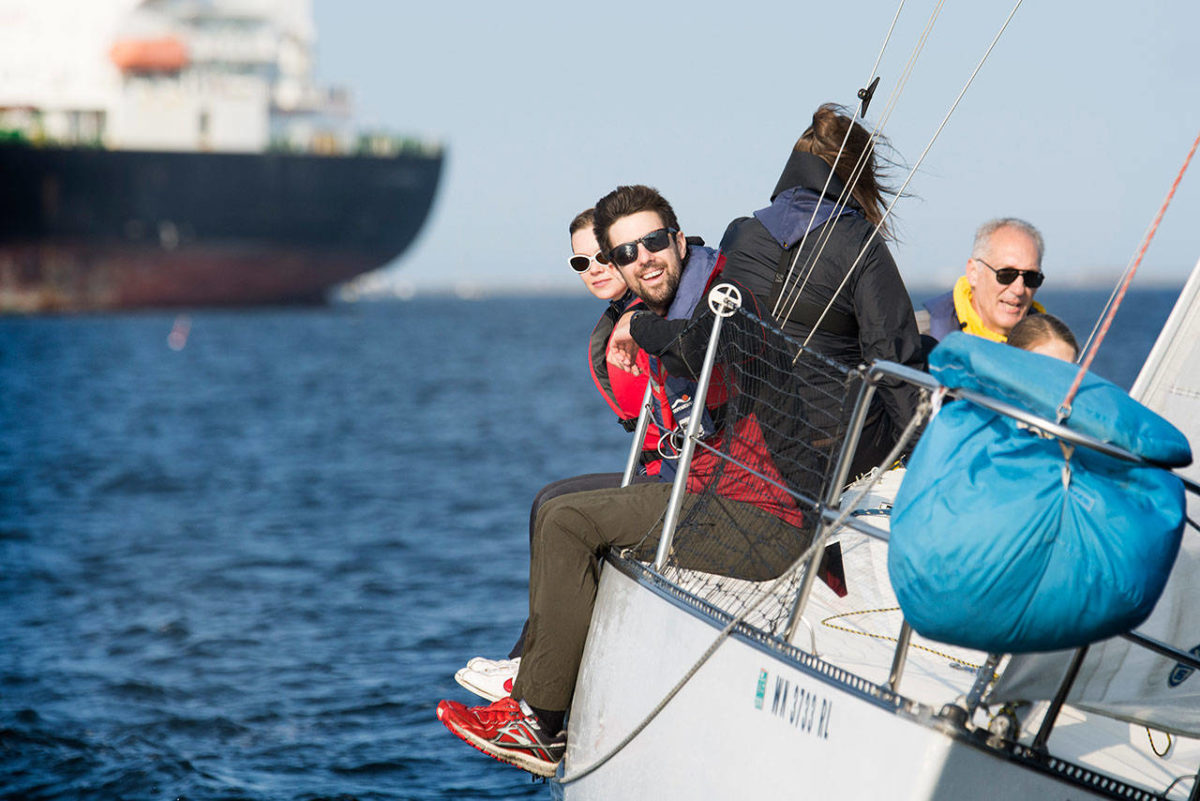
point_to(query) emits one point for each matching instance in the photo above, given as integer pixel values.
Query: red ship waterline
(88, 229)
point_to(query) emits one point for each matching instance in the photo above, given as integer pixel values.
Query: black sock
(551, 720)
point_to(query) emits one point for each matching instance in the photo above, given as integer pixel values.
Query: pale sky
(1078, 121)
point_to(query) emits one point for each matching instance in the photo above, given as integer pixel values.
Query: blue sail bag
(1002, 542)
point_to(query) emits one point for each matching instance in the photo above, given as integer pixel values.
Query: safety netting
(756, 483)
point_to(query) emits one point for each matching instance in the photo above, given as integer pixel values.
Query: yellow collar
(972, 322)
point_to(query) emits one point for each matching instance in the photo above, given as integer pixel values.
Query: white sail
(1118, 678)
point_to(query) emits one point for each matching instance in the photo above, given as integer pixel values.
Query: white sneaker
(489, 678)
(485, 665)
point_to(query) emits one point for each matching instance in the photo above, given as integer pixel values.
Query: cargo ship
(158, 153)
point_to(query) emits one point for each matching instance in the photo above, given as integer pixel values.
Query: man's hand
(622, 350)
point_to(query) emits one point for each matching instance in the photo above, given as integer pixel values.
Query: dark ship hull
(85, 229)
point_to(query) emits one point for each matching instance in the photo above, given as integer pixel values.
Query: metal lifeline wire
(910, 430)
(1064, 409)
(871, 80)
(914, 169)
(791, 296)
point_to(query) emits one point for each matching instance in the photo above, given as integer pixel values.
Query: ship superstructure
(178, 152)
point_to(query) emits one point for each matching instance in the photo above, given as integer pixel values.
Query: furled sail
(1118, 678)
(1005, 540)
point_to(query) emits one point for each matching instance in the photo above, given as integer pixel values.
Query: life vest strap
(805, 313)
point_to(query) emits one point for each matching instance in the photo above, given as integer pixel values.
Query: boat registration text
(798, 706)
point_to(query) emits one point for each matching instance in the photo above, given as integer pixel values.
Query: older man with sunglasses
(639, 233)
(1003, 273)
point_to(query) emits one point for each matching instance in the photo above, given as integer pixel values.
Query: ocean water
(248, 568)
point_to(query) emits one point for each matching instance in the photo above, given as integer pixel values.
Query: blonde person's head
(1045, 334)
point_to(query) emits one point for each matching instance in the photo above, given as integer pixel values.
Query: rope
(1150, 736)
(889, 638)
(1064, 410)
(627, 739)
(911, 429)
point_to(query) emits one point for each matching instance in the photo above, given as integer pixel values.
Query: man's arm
(679, 344)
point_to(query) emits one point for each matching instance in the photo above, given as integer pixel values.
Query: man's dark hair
(626, 200)
(584, 219)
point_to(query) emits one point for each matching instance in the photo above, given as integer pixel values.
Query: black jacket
(871, 317)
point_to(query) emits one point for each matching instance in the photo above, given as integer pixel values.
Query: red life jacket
(748, 446)
(622, 391)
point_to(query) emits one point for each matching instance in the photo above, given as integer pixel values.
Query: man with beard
(637, 229)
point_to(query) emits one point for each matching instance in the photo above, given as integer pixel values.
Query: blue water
(248, 569)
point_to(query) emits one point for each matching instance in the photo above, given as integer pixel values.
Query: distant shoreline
(472, 291)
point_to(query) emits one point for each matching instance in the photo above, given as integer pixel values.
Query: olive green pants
(573, 532)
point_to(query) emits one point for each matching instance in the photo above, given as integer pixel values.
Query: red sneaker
(508, 731)
(450, 707)
(502, 711)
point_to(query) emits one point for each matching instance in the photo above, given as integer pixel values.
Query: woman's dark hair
(1037, 328)
(626, 200)
(824, 139)
(584, 219)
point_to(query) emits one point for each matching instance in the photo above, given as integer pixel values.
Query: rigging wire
(916, 166)
(862, 111)
(1103, 312)
(1064, 409)
(793, 295)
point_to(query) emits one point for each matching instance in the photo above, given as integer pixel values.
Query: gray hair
(983, 236)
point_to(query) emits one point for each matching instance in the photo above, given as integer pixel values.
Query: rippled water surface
(249, 568)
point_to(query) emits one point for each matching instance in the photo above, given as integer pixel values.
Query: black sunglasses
(654, 241)
(1006, 275)
(581, 264)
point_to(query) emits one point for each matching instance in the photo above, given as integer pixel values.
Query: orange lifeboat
(164, 54)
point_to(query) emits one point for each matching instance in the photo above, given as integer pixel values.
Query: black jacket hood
(809, 172)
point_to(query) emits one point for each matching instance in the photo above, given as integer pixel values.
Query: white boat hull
(759, 720)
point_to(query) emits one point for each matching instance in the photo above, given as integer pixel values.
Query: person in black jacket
(818, 253)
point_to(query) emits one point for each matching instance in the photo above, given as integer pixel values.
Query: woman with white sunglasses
(622, 390)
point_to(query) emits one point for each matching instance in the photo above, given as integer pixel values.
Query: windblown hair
(626, 200)
(983, 236)
(1035, 329)
(584, 219)
(824, 139)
